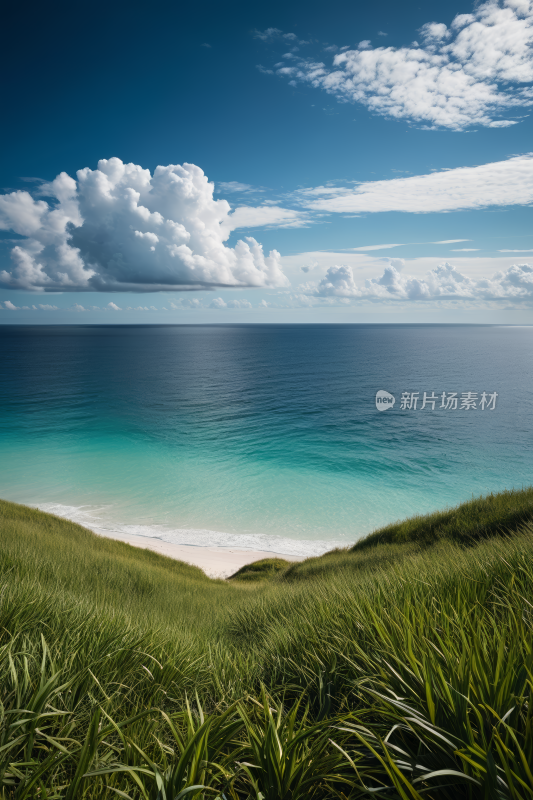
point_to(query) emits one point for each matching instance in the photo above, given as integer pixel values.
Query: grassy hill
(402, 668)
(481, 518)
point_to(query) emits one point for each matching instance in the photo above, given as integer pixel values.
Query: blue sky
(321, 133)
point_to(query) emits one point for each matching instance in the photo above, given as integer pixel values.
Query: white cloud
(434, 32)
(269, 33)
(45, 307)
(263, 304)
(186, 302)
(11, 307)
(120, 228)
(113, 307)
(376, 247)
(499, 183)
(403, 244)
(515, 251)
(239, 304)
(338, 282)
(276, 33)
(237, 186)
(218, 302)
(397, 263)
(464, 75)
(271, 216)
(301, 301)
(444, 282)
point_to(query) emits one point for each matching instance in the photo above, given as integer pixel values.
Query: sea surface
(259, 436)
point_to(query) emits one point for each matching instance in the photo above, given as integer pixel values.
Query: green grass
(477, 519)
(402, 668)
(260, 570)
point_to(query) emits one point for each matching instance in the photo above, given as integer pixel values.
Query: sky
(280, 162)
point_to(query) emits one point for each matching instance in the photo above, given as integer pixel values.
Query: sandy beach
(217, 562)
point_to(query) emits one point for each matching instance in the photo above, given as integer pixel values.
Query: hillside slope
(401, 670)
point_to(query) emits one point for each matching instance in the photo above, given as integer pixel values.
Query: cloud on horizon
(468, 74)
(180, 305)
(444, 282)
(119, 228)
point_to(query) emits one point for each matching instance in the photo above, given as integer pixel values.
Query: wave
(91, 517)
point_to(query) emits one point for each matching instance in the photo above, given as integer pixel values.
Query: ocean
(263, 437)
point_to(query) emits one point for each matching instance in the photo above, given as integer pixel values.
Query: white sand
(217, 562)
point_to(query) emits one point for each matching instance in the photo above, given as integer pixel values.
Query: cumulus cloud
(119, 228)
(444, 282)
(239, 304)
(498, 183)
(9, 306)
(468, 74)
(186, 303)
(301, 301)
(77, 307)
(397, 263)
(218, 302)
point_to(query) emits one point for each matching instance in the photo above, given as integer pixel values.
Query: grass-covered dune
(477, 519)
(400, 669)
(260, 570)
(497, 514)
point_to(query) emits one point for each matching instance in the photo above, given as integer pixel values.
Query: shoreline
(216, 559)
(216, 562)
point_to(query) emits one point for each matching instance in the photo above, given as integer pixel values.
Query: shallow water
(264, 437)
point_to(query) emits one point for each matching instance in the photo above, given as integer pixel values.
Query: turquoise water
(264, 437)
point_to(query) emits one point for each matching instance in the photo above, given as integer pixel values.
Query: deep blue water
(261, 436)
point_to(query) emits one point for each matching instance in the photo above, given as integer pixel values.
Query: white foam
(91, 517)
